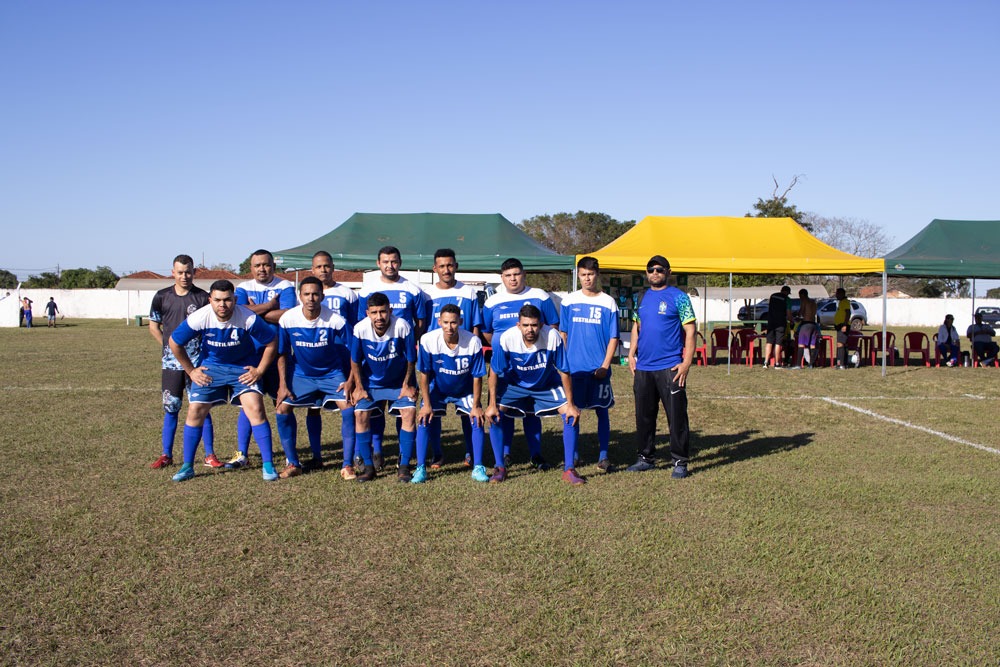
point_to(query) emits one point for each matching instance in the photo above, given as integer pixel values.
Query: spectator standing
(777, 323)
(50, 311)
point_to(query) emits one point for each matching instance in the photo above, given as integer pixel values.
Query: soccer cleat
(403, 476)
(162, 462)
(367, 474)
(268, 473)
(378, 461)
(212, 461)
(680, 471)
(419, 475)
(642, 465)
(238, 461)
(604, 465)
(437, 463)
(506, 460)
(359, 463)
(468, 461)
(290, 471)
(313, 464)
(540, 463)
(569, 476)
(186, 473)
(347, 473)
(479, 474)
(499, 475)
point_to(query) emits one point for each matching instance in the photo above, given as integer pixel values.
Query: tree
(852, 235)
(102, 278)
(245, 266)
(993, 293)
(777, 206)
(575, 233)
(47, 280)
(7, 279)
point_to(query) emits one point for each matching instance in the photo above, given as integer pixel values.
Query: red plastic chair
(877, 347)
(916, 342)
(700, 350)
(748, 349)
(720, 343)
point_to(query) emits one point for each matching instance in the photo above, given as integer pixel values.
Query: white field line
(803, 397)
(907, 424)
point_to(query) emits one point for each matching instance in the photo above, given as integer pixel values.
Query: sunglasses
(656, 269)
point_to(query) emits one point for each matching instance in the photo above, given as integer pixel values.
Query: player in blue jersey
(230, 369)
(343, 301)
(660, 355)
(407, 301)
(451, 366)
(500, 312)
(589, 325)
(267, 296)
(314, 370)
(171, 306)
(383, 356)
(449, 290)
(530, 376)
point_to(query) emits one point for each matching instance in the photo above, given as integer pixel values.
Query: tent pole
(704, 311)
(729, 353)
(572, 285)
(885, 328)
(973, 299)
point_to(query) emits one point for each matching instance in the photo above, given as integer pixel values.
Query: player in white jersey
(343, 301)
(530, 376)
(231, 368)
(451, 365)
(314, 370)
(589, 325)
(449, 290)
(407, 302)
(500, 312)
(267, 296)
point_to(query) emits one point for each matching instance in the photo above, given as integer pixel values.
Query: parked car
(991, 315)
(758, 311)
(826, 309)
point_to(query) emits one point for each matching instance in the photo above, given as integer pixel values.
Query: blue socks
(532, 426)
(208, 435)
(363, 446)
(288, 435)
(314, 426)
(436, 437)
(478, 437)
(603, 432)
(499, 440)
(192, 436)
(470, 448)
(347, 434)
(169, 431)
(377, 429)
(507, 424)
(243, 431)
(406, 441)
(423, 436)
(569, 443)
(262, 434)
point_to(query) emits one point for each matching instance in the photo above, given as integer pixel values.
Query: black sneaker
(366, 474)
(642, 465)
(680, 471)
(404, 475)
(378, 461)
(540, 463)
(605, 465)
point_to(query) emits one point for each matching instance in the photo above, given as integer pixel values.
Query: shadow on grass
(711, 451)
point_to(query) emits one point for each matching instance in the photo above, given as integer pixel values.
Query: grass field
(832, 518)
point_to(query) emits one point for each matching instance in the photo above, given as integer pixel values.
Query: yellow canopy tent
(717, 244)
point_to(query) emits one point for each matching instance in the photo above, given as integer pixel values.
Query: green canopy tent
(480, 241)
(949, 248)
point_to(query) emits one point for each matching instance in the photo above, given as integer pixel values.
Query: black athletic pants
(651, 388)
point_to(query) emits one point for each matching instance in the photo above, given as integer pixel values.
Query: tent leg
(885, 309)
(729, 354)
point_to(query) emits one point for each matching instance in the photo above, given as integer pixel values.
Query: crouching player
(230, 370)
(383, 355)
(451, 365)
(530, 376)
(313, 371)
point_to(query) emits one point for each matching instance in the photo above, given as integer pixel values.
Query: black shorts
(775, 335)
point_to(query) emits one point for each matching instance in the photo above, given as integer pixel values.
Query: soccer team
(394, 348)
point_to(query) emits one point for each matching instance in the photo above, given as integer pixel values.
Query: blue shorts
(522, 402)
(380, 397)
(439, 403)
(225, 386)
(590, 393)
(316, 392)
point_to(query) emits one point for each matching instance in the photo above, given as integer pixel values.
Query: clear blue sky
(132, 131)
